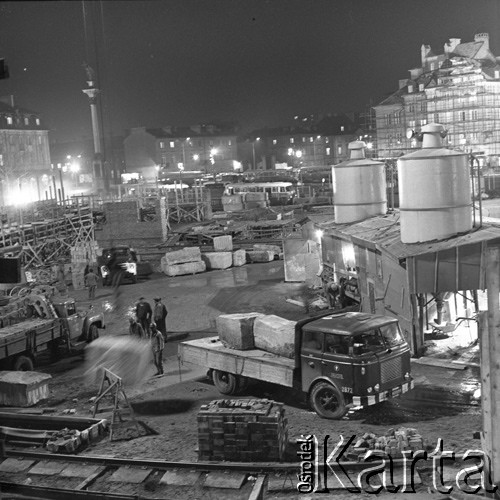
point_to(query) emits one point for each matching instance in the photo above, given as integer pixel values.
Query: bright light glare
(319, 234)
(213, 151)
(369, 145)
(298, 153)
(196, 157)
(75, 167)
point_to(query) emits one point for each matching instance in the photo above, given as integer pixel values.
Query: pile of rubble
(393, 443)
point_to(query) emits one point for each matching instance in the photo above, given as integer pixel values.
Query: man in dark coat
(144, 313)
(159, 316)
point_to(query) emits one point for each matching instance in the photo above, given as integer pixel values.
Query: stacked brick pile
(393, 442)
(242, 430)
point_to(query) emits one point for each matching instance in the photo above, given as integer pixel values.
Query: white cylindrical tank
(359, 186)
(434, 190)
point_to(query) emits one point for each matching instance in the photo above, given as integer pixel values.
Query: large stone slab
(79, 470)
(128, 475)
(180, 477)
(260, 256)
(223, 243)
(218, 260)
(259, 247)
(239, 258)
(13, 465)
(46, 468)
(236, 330)
(186, 268)
(274, 334)
(225, 479)
(188, 254)
(23, 388)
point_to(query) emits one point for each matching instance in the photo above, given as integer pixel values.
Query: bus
(278, 193)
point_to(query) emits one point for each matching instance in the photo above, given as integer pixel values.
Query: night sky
(255, 62)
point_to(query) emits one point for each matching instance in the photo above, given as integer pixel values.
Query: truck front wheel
(93, 333)
(226, 383)
(327, 401)
(23, 364)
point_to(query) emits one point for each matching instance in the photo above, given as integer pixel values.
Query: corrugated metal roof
(384, 232)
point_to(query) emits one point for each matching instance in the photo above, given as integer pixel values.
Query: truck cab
(120, 258)
(78, 325)
(352, 359)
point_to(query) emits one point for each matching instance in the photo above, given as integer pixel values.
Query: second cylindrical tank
(359, 186)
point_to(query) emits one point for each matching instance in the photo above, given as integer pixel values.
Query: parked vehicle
(341, 360)
(118, 259)
(33, 324)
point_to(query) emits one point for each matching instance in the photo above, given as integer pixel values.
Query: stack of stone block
(236, 330)
(185, 261)
(23, 388)
(242, 430)
(255, 200)
(275, 334)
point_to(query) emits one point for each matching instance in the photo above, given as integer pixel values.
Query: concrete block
(223, 243)
(260, 256)
(188, 254)
(269, 248)
(186, 268)
(23, 388)
(236, 330)
(218, 260)
(274, 334)
(239, 258)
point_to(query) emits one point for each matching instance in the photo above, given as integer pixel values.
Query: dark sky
(257, 62)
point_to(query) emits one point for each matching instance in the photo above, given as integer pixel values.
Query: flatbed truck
(341, 360)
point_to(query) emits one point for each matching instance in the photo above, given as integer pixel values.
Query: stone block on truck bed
(239, 257)
(185, 268)
(218, 260)
(236, 330)
(23, 388)
(274, 334)
(188, 254)
(260, 256)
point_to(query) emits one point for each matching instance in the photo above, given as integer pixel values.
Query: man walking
(159, 316)
(143, 313)
(135, 329)
(91, 282)
(157, 345)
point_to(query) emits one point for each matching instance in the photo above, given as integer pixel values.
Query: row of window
(192, 143)
(10, 120)
(24, 140)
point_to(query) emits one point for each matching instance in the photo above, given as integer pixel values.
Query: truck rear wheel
(23, 364)
(327, 401)
(226, 383)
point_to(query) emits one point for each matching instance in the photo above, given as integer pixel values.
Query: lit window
(311, 139)
(462, 116)
(410, 89)
(162, 144)
(433, 66)
(436, 117)
(423, 121)
(420, 87)
(229, 142)
(26, 120)
(9, 120)
(37, 121)
(328, 152)
(303, 139)
(327, 140)
(342, 128)
(339, 150)
(497, 74)
(292, 140)
(40, 139)
(172, 144)
(275, 142)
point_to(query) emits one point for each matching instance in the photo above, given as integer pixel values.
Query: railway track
(39, 475)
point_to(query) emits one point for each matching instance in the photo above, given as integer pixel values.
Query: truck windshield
(369, 342)
(392, 335)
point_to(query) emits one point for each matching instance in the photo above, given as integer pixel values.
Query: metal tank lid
(357, 157)
(431, 136)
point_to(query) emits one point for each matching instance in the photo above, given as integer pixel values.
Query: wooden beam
(492, 361)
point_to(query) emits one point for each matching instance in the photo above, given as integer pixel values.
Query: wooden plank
(257, 364)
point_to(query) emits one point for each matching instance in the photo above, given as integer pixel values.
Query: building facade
(210, 149)
(459, 88)
(24, 154)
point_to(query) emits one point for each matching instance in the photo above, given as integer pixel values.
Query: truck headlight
(407, 376)
(104, 271)
(376, 387)
(363, 370)
(369, 390)
(131, 267)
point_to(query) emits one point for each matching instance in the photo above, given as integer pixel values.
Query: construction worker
(157, 345)
(91, 283)
(144, 313)
(159, 316)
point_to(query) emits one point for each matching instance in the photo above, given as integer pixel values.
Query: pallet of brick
(188, 254)
(223, 243)
(259, 247)
(239, 257)
(260, 256)
(217, 260)
(274, 334)
(186, 268)
(242, 430)
(23, 388)
(236, 330)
